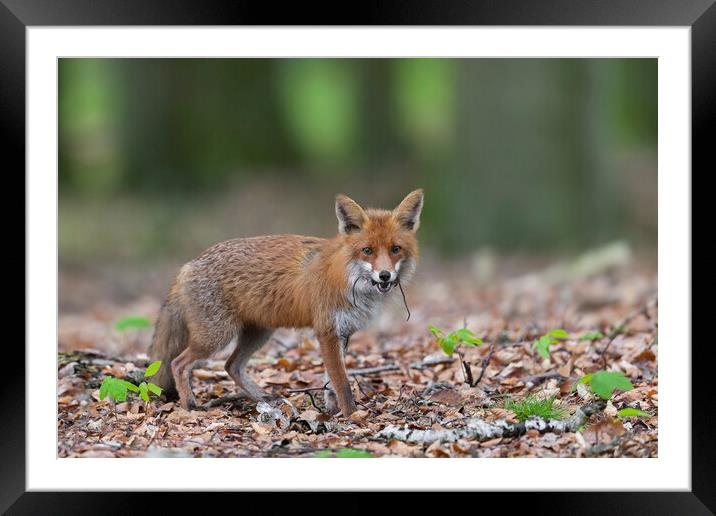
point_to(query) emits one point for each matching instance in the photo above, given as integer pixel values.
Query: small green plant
(344, 453)
(604, 383)
(145, 388)
(117, 388)
(452, 340)
(545, 341)
(592, 336)
(627, 412)
(533, 406)
(132, 322)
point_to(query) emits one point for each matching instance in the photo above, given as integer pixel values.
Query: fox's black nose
(384, 275)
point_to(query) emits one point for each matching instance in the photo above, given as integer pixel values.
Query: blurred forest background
(160, 158)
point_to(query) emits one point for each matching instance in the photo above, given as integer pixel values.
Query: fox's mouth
(384, 286)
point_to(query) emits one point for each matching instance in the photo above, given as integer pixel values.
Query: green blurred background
(160, 158)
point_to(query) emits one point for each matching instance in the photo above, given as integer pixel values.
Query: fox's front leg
(331, 350)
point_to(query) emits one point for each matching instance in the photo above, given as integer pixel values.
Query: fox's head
(381, 244)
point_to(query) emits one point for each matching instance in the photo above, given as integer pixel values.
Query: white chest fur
(349, 321)
(365, 303)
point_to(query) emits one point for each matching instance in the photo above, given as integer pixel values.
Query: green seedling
(533, 406)
(604, 383)
(545, 341)
(628, 412)
(345, 453)
(117, 388)
(452, 340)
(132, 322)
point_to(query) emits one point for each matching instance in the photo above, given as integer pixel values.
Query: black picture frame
(700, 15)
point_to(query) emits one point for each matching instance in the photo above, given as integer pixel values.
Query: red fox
(245, 288)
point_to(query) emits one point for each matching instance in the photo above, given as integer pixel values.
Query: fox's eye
(368, 251)
(395, 249)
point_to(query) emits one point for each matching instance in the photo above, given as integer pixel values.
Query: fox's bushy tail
(170, 339)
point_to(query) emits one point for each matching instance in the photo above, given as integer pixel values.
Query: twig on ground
(428, 363)
(373, 370)
(396, 367)
(619, 327)
(485, 363)
(230, 398)
(534, 380)
(466, 369)
(481, 430)
(313, 402)
(306, 389)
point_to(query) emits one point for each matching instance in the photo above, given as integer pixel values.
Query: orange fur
(246, 287)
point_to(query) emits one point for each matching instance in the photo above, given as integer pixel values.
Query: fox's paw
(188, 405)
(331, 402)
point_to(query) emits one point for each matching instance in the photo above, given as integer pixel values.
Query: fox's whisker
(404, 301)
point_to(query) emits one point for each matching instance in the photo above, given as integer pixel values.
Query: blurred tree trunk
(530, 153)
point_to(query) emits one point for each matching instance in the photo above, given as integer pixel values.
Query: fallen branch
(373, 370)
(481, 430)
(396, 367)
(429, 363)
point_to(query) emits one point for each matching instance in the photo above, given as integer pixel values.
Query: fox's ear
(351, 216)
(408, 211)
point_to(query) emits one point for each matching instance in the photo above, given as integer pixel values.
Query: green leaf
(155, 389)
(130, 386)
(153, 368)
(143, 391)
(542, 346)
(323, 454)
(436, 331)
(104, 388)
(626, 412)
(586, 378)
(351, 453)
(592, 335)
(448, 345)
(133, 322)
(116, 389)
(603, 383)
(464, 335)
(468, 338)
(559, 333)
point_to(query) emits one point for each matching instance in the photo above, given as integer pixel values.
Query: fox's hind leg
(201, 345)
(250, 340)
(182, 366)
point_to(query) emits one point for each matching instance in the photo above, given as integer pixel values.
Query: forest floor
(401, 377)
